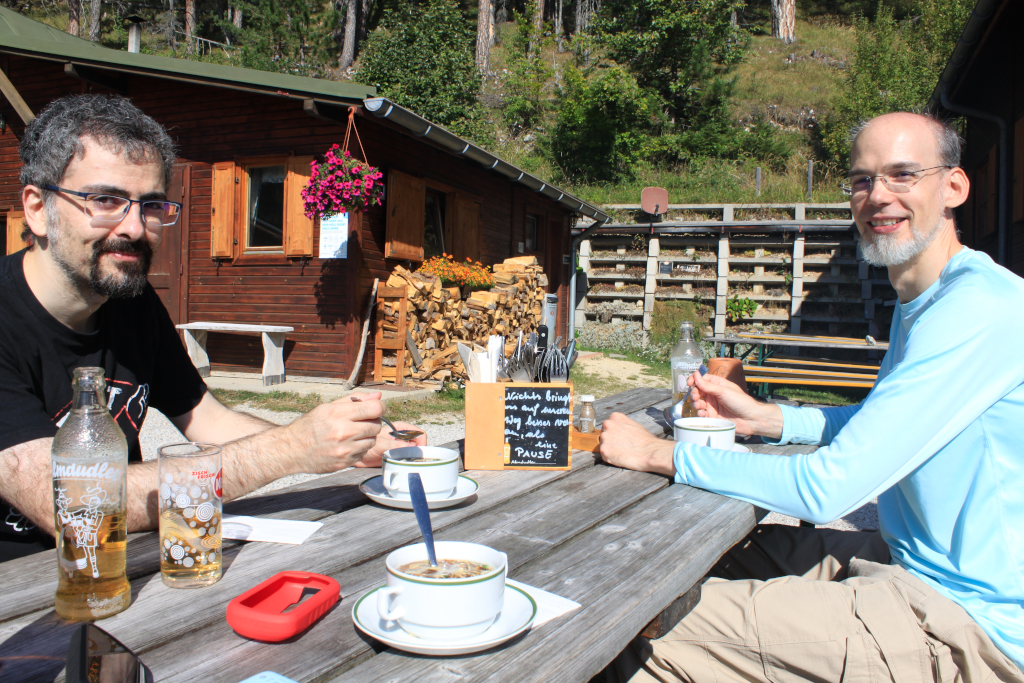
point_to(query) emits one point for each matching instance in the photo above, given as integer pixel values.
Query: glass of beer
(189, 493)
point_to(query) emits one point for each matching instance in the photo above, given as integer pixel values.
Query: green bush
(527, 74)
(667, 316)
(603, 125)
(422, 57)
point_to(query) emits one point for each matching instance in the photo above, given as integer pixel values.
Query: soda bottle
(90, 480)
(686, 359)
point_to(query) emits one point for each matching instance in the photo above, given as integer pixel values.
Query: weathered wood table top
(623, 544)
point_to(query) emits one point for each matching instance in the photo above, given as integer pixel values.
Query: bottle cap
(587, 398)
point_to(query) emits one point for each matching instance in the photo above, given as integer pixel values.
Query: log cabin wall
(314, 296)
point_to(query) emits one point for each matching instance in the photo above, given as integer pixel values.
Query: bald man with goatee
(937, 594)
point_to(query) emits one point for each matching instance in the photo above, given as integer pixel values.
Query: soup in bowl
(459, 600)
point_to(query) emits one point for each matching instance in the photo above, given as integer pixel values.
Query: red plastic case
(258, 612)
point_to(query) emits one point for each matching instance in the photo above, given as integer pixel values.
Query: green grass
(448, 400)
(284, 401)
(840, 396)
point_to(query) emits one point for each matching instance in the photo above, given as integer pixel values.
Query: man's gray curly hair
(54, 138)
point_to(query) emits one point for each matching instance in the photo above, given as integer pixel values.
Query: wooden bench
(273, 346)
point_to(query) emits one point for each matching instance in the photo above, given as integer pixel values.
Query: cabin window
(264, 225)
(532, 227)
(10, 231)
(434, 225)
(257, 209)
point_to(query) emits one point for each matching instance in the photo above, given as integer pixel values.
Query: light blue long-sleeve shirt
(939, 440)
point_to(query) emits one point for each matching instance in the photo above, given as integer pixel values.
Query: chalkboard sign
(518, 426)
(537, 423)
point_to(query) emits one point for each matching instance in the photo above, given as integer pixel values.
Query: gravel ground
(158, 430)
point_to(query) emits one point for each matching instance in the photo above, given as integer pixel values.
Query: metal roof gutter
(972, 34)
(421, 127)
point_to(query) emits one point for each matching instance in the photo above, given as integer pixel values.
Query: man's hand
(337, 435)
(715, 396)
(626, 444)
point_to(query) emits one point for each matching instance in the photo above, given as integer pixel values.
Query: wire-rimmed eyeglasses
(108, 210)
(894, 181)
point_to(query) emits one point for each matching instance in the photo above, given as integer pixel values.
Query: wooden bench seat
(760, 374)
(273, 346)
(822, 363)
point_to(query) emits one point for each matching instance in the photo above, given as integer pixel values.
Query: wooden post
(757, 180)
(810, 178)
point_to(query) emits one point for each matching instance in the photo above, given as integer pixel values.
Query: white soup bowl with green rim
(706, 431)
(438, 469)
(444, 609)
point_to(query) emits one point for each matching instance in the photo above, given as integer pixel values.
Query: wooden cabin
(984, 83)
(243, 251)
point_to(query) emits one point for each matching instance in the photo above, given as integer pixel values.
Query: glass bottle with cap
(686, 359)
(588, 418)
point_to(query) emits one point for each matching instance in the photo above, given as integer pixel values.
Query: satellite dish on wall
(654, 200)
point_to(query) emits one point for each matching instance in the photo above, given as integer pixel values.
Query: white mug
(706, 431)
(440, 475)
(444, 609)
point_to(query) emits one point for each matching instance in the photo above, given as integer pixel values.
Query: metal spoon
(396, 433)
(401, 434)
(422, 510)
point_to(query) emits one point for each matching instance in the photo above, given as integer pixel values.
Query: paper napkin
(549, 605)
(242, 528)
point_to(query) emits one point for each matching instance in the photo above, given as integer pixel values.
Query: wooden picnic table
(763, 342)
(625, 545)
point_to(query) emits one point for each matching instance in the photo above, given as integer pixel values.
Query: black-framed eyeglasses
(108, 210)
(896, 181)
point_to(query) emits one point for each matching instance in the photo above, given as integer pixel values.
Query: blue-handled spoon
(419, 506)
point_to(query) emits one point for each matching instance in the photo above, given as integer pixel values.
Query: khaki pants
(816, 605)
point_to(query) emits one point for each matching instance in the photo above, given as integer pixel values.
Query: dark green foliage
(527, 74)
(604, 125)
(288, 36)
(422, 58)
(764, 143)
(666, 318)
(895, 68)
(681, 50)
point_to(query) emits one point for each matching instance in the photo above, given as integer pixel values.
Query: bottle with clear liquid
(90, 480)
(686, 360)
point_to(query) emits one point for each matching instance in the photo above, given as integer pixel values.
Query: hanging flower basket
(340, 184)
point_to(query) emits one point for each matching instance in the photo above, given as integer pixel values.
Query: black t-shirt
(135, 343)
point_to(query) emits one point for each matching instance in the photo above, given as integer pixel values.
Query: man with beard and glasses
(937, 594)
(95, 175)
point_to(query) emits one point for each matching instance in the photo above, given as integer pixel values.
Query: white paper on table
(242, 528)
(549, 605)
(334, 236)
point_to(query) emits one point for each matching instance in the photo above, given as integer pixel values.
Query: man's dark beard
(130, 280)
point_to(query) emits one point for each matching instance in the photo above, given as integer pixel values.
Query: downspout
(576, 241)
(1004, 166)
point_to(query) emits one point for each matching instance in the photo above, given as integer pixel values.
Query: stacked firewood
(439, 317)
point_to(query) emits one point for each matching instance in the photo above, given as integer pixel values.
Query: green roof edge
(21, 35)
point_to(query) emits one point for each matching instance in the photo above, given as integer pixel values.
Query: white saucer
(517, 615)
(375, 491)
(740, 448)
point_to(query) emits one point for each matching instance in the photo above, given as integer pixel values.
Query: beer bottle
(90, 481)
(686, 359)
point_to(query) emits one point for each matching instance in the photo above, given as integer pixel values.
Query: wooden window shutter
(222, 210)
(1018, 170)
(406, 207)
(466, 235)
(15, 218)
(298, 228)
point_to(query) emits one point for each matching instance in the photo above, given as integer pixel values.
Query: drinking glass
(189, 494)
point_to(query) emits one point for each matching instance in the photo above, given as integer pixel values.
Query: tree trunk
(558, 25)
(174, 22)
(74, 17)
(348, 47)
(784, 20)
(190, 26)
(236, 19)
(483, 36)
(538, 20)
(364, 18)
(95, 8)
